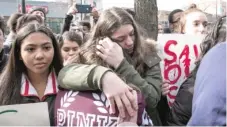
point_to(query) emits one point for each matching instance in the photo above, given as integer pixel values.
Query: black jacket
(181, 110)
(67, 23)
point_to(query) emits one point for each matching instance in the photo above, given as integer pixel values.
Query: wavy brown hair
(12, 22)
(109, 21)
(27, 19)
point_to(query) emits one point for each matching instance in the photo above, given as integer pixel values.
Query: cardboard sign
(178, 53)
(34, 114)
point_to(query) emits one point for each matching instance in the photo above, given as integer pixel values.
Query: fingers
(120, 120)
(127, 104)
(127, 124)
(165, 89)
(101, 49)
(74, 11)
(132, 98)
(112, 105)
(104, 43)
(165, 86)
(120, 106)
(108, 41)
(136, 99)
(101, 52)
(101, 55)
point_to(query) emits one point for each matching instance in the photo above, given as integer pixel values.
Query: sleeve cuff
(96, 75)
(124, 63)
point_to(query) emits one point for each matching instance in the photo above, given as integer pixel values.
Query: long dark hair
(10, 78)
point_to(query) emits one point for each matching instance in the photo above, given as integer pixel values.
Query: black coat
(67, 23)
(181, 110)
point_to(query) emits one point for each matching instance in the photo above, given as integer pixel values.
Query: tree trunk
(146, 15)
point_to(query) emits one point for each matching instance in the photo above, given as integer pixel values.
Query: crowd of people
(109, 72)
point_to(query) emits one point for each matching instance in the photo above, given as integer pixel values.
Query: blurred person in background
(69, 44)
(39, 11)
(16, 22)
(193, 21)
(11, 24)
(181, 110)
(160, 29)
(174, 18)
(81, 27)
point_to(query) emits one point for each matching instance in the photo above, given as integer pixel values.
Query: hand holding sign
(165, 89)
(178, 53)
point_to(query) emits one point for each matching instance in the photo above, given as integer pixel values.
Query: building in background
(56, 10)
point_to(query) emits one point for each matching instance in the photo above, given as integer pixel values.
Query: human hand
(119, 94)
(110, 52)
(129, 119)
(72, 10)
(165, 88)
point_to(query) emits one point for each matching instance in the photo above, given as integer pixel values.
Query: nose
(40, 14)
(71, 52)
(201, 29)
(39, 55)
(129, 41)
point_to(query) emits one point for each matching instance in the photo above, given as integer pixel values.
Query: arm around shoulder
(81, 77)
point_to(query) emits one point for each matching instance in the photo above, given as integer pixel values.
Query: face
(37, 53)
(176, 18)
(1, 40)
(196, 23)
(77, 28)
(125, 37)
(160, 29)
(85, 29)
(68, 49)
(39, 13)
